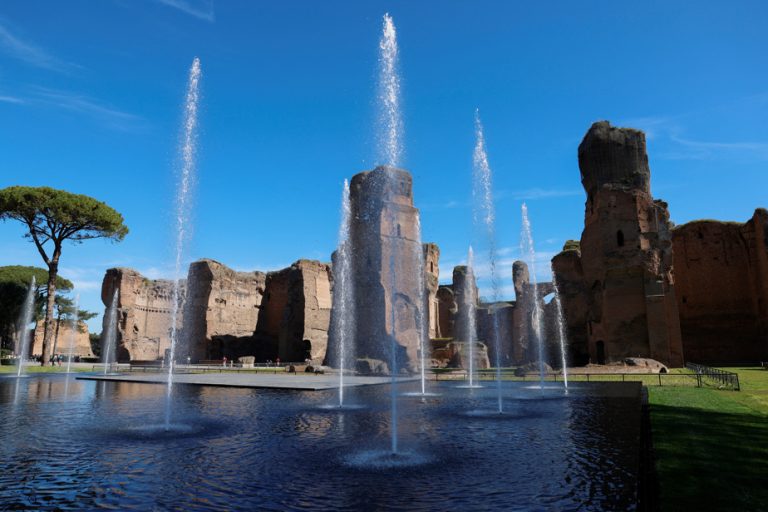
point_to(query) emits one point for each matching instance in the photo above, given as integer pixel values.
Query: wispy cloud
(445, 205)
(82, 104)
(15, 47)
(12, 99)
(670, 135)
(533, 194)
(201, 9)
(704, 150)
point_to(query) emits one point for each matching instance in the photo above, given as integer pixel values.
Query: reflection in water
(102, 446)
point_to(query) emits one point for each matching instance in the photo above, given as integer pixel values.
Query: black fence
(695, 376)
(707, 375)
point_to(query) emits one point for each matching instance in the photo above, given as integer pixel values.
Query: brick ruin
(721, 273)
(225, 313)
(633, 285)
(620, 283)
(384, 235)
(62, 338)
(637, 286)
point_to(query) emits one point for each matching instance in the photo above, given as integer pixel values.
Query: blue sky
(91, 96)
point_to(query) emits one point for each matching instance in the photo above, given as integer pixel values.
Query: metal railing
(692, 378)
(196, 368)
(721, 378)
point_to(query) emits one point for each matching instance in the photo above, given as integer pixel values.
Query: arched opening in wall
(431, 266)
(600, 347)
(398, 230)
(306, 349)
(620, 238)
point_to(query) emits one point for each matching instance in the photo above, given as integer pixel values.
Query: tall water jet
(73, 332)
(185, 184)
(418, 256)
(561, 335)
(23, 333)
(470, 301)
(343, 292)
(390, 123)
(484, 218)
(109, 337)
(390, 152)
(529, 253)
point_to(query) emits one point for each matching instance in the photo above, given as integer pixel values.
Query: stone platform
(305, 382)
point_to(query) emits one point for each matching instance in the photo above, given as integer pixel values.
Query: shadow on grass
(710, 460)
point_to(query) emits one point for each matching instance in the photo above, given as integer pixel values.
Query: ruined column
(626, 253)
(385, 244)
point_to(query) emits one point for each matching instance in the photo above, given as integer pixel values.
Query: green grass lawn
(711, 445)
(43, 369)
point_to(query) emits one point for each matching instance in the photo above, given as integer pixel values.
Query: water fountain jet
(109, 337)
(470, 322)
(528, 252)
(344, 321)
(23, 334)
(561, 334)
(73, 333)
(484, 218)
(183, 214)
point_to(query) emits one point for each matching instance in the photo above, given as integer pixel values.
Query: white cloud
(24, 51)
(201, 9)
(667, 133)
(11, 99)
(82, 104)
(533, 194)
(704, 150)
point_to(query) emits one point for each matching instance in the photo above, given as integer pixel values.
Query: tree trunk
(53, 272)
(56, 333)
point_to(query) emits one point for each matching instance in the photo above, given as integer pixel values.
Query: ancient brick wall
(722, 289)
(64, 337)
(626, 253)
(143, 315)
(222, 308)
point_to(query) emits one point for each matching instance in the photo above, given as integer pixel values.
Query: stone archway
(600, 349)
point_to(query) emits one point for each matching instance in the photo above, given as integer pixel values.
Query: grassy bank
(711, 445)
(45, 369)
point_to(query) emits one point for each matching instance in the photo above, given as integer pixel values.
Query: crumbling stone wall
(81, 346)
(307, 314)
(626, 254)
(447, 308)
(143, 315)
(466, 298)
(222, 309)
(387, 256)
(224, 313)
(432, 282)
(721, 272)
(574, 298)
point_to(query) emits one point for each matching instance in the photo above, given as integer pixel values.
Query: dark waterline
(101, 445)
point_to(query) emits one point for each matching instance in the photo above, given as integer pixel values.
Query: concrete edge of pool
(273, 381)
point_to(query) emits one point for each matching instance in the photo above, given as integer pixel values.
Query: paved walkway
(298, 381)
